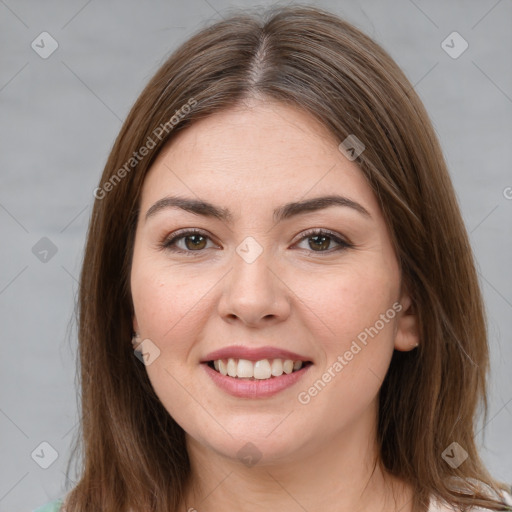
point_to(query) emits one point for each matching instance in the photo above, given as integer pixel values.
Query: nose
(254, 294)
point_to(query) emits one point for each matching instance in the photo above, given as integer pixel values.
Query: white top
(437, 506)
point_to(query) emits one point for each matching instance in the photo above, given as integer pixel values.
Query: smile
(263, 369)
(254, 372)
(254, 387)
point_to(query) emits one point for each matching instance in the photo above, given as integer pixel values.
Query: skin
(317, 456)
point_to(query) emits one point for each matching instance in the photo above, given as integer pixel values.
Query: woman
(276, 232)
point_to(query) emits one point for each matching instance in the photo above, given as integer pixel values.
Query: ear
(406, 335)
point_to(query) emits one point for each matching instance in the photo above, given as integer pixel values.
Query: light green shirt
(54, 506)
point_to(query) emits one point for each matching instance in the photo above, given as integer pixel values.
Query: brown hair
(133, 452)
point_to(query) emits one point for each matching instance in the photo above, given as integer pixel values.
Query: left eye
(196, 241)
(321, 239)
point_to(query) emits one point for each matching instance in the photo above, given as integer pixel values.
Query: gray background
(60, 115)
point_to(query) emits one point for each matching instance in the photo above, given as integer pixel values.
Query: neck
(339, 474)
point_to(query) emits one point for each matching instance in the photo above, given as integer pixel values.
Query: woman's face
(270, 274)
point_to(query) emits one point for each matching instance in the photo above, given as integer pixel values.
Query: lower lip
(244, 388)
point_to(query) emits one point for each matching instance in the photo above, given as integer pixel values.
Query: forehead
(256, 152)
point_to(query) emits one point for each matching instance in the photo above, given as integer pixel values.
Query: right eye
(194, 240)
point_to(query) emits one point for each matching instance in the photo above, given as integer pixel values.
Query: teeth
(260, 370)
(223, 368)
(245, 369)
(288, 366)
(232, 367)
(277, 367)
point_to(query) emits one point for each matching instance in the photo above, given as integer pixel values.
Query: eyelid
(171, 239)
(339, 239)
(323, 231)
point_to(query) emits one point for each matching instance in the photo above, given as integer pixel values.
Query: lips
(253, 354)
(254, 388)
(250, 363)
(254, 372)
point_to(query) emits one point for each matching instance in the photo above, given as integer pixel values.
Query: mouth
(255, 372)
(263, 369)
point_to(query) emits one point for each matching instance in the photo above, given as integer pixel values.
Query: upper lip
(253, 354)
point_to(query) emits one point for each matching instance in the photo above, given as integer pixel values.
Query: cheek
(345, 303)
(357, 307)
(167, 305)
(171, 311)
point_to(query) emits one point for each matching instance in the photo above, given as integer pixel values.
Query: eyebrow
(200, 207)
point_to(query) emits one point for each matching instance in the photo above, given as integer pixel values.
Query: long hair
(133, 453)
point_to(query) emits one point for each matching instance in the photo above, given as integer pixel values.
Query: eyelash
(167, 243)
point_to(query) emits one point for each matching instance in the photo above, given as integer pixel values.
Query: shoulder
(53, 506)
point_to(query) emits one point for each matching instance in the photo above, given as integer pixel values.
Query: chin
(262, 446)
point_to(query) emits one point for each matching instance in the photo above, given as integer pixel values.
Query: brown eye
(320, 241)
(191, 241)
(186, 242)
(196, 242)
